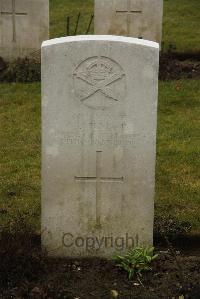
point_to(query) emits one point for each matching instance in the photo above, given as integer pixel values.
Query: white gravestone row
(99, 110)
(24, 25)
(136, 18)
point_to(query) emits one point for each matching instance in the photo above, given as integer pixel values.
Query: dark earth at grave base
(173, 66)
(27, 273)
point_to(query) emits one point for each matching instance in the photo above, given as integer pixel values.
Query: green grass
(20, 154)
(178, 154)
(61, 9)
(178, 182)
(181, 25)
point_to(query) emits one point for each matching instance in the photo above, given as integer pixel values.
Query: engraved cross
(13, 13)
(98, 180)
(129, 12)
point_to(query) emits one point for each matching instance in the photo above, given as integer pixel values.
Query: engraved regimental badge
(99, 82)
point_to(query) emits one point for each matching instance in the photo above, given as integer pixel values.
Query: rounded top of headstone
(114, 38)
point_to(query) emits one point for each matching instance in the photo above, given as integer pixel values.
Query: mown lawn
(20, 155)
(177, 176)
(178, 154)
(178, 181)
(181, 23)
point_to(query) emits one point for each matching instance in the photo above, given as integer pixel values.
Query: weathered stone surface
(136, 18)
(24, 25)
(99, 103)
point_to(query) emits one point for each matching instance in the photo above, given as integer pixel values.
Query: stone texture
(99, 107)
(24, 25)
(136, 18)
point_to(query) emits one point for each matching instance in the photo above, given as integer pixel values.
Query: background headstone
(24, 25)
(136, 18)
(99, 103)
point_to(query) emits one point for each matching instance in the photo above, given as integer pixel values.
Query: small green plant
(136, 260)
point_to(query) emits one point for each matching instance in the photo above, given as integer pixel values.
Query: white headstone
(24, 25)
(136, 18)
(99, 103)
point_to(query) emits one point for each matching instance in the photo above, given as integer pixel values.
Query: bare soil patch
(27, 273)
(173, 66)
